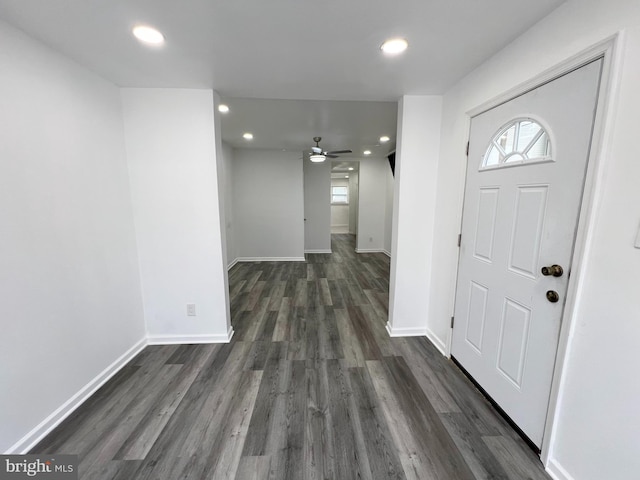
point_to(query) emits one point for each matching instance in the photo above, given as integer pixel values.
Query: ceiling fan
(319, 155)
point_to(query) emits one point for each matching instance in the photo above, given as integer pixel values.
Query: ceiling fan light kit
(318, 155)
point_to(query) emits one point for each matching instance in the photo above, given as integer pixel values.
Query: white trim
(320, 250)
(231, 265)
(572, 63)
(610, 49)
(418, 332)
(186, 339)
(406, 332)
(439, 344)
(27, 442)
(270, 259)
(387, 253)
(556, 471)
(371, 250)
(45, 427)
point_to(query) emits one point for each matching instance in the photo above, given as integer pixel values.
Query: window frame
(516, 121)
(346, 195)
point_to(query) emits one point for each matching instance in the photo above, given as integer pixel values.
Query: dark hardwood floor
(311, 387)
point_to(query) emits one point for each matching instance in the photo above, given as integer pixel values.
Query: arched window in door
(522, 140)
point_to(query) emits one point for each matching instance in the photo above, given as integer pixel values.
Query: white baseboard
(556, 471)
(270, 259)
(318, 251)
(387, 253)
(418, 332)
(370, 250)
(186, 339)
(406, 332)
(233, 262)
(27, 442)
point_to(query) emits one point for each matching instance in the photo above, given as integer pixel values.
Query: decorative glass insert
(520, 141)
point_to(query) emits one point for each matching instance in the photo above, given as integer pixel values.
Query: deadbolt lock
(555, 270)
(553, 296)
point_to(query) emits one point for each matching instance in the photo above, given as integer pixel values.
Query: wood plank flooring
(311, 387)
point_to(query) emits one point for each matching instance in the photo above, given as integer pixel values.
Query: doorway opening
(344, 197)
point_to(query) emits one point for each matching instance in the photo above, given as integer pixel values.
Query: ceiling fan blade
(329, 155)
(339, 151)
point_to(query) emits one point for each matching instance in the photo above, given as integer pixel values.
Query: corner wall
(171, 150)
(317, 205)
(227, 193)
(69, 281)
(373, 209)
(354, 207)
(414, 214)
(388, 210)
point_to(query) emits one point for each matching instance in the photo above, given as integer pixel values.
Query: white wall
(227, 191)
(596, 431)
(388, 208)
(268, 204)
(340, 213)
(414, 212)
(171, 149)
(373, 183)
(69, 284)
(317, 206)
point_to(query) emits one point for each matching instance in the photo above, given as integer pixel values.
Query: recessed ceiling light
(384, 139)
(367, 152)
(350, 168)
(148, 35)
(222, 108)
(346, 176)
(248, 136)
(394, 46)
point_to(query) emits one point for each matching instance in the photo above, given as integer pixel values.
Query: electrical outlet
(371, 239)
(191, 309)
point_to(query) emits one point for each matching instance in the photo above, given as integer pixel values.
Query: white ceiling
(283, 49)
(292, 124)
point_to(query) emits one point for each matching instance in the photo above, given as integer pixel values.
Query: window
(520, 141)
(339, 194)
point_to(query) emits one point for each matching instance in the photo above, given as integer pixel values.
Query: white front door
(525, 176)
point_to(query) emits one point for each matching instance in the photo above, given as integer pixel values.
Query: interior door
(525, 176)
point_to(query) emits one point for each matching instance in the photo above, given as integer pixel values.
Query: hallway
(311, 387)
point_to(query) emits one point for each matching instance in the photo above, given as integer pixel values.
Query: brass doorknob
(555, 270)
(553, 296)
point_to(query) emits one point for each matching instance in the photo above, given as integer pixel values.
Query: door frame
(610, 51)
